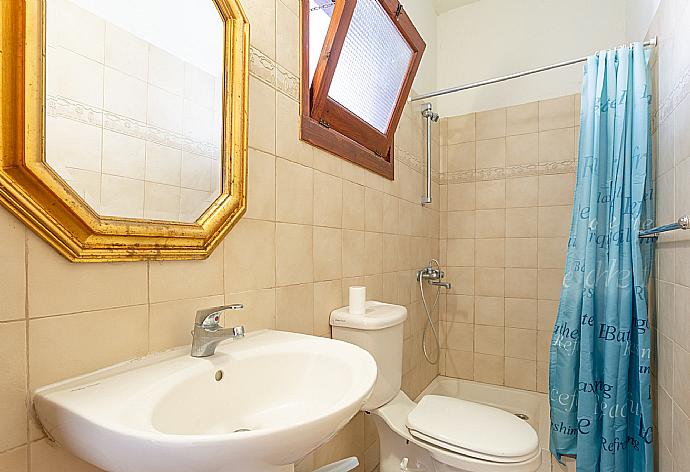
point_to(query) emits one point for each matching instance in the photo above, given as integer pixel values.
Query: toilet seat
(473, 430)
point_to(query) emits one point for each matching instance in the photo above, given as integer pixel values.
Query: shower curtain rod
(652, 42)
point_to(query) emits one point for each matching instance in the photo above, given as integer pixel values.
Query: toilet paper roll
(358, 299)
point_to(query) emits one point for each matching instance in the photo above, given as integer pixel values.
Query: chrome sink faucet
(208, 332)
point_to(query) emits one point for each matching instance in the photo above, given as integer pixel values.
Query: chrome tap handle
(210, 317)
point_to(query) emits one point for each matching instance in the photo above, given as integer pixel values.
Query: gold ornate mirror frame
(34, 192)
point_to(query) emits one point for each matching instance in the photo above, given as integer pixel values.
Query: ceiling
(442, 6)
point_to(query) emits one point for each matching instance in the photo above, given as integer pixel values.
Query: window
(361, 57)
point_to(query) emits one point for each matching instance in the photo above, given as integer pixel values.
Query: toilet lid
(472, 429)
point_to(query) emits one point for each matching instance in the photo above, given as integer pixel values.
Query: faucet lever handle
(210, 317)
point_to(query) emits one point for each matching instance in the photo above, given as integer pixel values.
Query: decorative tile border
(269, 72)
(677, 95)
(410, 160)
(511, 172)
(58, 106)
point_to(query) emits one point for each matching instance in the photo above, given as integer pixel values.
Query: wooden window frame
(330, 126)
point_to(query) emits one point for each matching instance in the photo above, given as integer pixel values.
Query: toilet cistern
(208, 332)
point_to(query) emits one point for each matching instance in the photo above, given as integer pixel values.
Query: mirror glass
(134, 101)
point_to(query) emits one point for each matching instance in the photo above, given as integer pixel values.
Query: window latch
(324, 123)
(398, 10)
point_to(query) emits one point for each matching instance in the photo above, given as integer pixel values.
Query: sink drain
(522, 416)
(242, 430)
(219, 376)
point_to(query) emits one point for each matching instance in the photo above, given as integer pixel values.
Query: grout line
(26, 348)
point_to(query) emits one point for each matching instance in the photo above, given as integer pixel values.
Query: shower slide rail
(682, 223)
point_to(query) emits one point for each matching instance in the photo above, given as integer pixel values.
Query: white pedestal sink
(258, 405)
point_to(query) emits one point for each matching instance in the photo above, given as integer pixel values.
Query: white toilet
(440, 434)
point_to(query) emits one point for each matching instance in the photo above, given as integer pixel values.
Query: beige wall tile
(13, 275)
(554, 221)
(521, 373)
(58, 286)
(458, 336)
(521, 313)
(681, 378)
(489, 281)
(491, 153)
(175, 280)
(353, 206)
(390, 213)
(295, 308)
(327, 297)
(13, 426)
(523, 119)
(328, 200)
(353, 253)
(489, 310)
(490, 223)
(461, 196)
(294, 254)
(491, 124)
(556, 113)
(461, 157)
(490, 253)
(259, 310)
(460, 129)
(462, 279)
(542, 377)
(373, 210)
(556, 145)
(556, 189)
(552, 253)
(522, 192)
(459, 364)
(547, 311)
(15, 460)
(522, 149)
(521, 283)
(521, 343)
(521, 222)
(294, 192)
(681, 437)
(262, 114)
(262, 13)
(287, 38)
(459, 308)
(328, 253)
(261, 197)
(250, 256)
(550, 283)
(521, 252)
(373, 253)
(460, 252)
(461, 224)
(488, 369)
(70, 345)
(489, 340)
(491, 194)
(543, 345)
(172, 321)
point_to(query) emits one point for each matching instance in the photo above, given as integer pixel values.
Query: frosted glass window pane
(372, 66)
(320, 12)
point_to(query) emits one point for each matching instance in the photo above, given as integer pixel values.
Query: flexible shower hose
(429, 321)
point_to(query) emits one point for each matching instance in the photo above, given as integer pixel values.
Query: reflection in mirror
(134, 114)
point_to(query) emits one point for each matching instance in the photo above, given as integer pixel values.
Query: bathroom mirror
(131, 143)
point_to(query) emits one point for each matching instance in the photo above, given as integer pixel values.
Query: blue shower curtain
(599, 369)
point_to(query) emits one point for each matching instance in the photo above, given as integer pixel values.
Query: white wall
(497, 37)
(423, 15)
(638, 16)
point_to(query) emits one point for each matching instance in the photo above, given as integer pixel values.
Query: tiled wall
(315, 225)
(671, 126)
(508, 177)
(133, 128)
